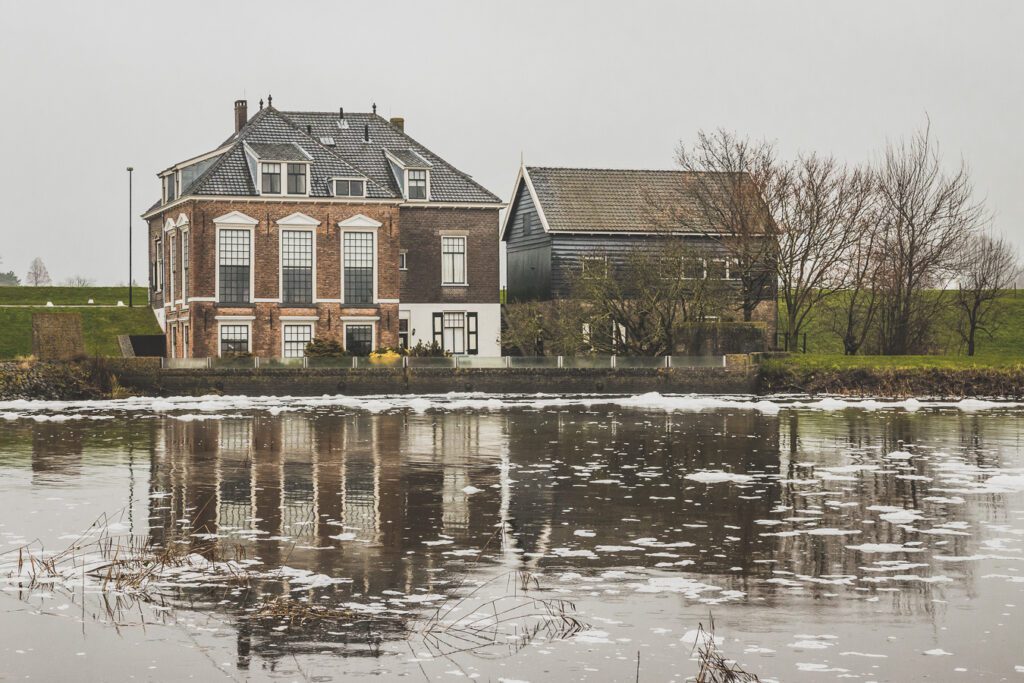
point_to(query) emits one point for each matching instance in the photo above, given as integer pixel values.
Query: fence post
(613, 363)
(805, 342)
(256, 362)
(508, 361)
(559, 361)
(405, 361)
(209, 362)
(668, 361)
(305, 362)
(354, 362)
(163, 362)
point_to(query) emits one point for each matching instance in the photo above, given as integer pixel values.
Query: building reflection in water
(399, 502)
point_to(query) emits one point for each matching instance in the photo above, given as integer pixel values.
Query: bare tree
(926, 217)
(637, 304)
(852, 311)
(989, 267)
(820, 217)
(79, 281)
(730, 195)
(37, 275)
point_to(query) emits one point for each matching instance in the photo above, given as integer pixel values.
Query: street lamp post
(130, 169)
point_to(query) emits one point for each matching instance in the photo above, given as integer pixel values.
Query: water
(470, 536)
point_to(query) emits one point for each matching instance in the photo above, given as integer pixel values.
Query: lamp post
(130, 169)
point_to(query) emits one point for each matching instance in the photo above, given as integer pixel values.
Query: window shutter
(439, 329)
(472, 347)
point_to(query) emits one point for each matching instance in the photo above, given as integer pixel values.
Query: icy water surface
(510, 538)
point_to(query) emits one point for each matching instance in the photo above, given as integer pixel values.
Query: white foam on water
(21, 408)
(717, 477)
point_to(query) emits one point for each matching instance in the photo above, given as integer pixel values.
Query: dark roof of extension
(334, 151)
(618, 200)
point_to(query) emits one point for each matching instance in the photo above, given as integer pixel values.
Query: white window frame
(465, 261)
(334, 187)
(235, 221)
(158, 249)
(172, 263)
(426, 188)
(703, 270)
(403, 259)
(171, 180)
(465, 332)
(350, 321)
(186, 248)
(359, 223)
(244, 320)
(284, 178)
(280, 262)
(297, 321)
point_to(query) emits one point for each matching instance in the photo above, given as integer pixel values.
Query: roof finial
(374, 107)
(270, 100)
(261, 104)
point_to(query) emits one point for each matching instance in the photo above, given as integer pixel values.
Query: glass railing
(491, 362)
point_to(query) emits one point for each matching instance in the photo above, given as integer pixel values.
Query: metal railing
(367, 362)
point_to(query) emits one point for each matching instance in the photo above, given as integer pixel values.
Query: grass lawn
(1004, 349)
(70, 295)
(100, 326)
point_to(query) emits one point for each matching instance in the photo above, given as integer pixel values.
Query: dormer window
(349, 187)
(417, 184)
(296, 178)
(271, 178)
(170, 188)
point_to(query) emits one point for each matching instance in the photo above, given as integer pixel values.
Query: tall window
(358, 267)
(170, 280)
(295, 339)
(403, 260)
(296, 178)
(453, 260)
(184, 266)
(417, 184)
(159, 279)
(184, 341)
(297, 266)
(359, 339)
(234, 339)
(234, 255)
(454, 332)
(403, 333)
(271, 174)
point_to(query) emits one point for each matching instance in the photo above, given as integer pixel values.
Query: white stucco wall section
(488, 323)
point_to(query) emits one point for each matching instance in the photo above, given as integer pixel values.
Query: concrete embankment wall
(357, 382)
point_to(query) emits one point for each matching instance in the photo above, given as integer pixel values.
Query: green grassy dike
(100, 325)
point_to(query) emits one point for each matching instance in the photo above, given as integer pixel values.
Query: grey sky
(90, 88)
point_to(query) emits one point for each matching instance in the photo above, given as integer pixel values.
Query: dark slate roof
(612, 200)
(273, 151)
(447, 183)
(409, 158)
(282, 136)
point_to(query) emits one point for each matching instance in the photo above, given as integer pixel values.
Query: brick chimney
(399, 123)
(241, 114)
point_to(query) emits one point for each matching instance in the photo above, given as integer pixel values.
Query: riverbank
(104, 378)
(893, 377)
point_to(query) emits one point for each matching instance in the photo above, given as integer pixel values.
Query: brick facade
(422, 229)
(194, 326)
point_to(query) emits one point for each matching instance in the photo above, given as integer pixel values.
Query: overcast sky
(89, 88)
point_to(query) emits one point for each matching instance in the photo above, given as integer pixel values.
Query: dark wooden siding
(568, 249)
(528, 256)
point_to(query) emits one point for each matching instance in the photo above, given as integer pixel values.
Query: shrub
(432, 350)
(325, 348)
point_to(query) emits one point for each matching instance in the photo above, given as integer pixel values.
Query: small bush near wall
(721, 338)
